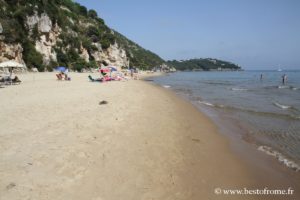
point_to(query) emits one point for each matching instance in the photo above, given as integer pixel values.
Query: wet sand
(267, 169)
(58, 142)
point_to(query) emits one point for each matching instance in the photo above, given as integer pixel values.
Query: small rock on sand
(103, 102)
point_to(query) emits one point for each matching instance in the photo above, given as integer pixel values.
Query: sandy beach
(58, 142)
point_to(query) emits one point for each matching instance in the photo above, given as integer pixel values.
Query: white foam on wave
(283, 87)
(239, 89)
(166, 86)
(207, 103)
(287, 87)
(281, 105)
(281, 158)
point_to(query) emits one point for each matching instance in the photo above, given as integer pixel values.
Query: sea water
(267, 110)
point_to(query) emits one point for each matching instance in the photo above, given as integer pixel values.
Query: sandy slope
(57, 142)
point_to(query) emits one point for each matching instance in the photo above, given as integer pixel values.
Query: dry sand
(58, 142)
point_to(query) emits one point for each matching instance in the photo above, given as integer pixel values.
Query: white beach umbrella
(11, 64)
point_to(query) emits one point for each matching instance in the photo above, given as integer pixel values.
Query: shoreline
(265, 166)
(149, 143)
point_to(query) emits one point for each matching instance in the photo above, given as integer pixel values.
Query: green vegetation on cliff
(79, 27)
(205, 64)
(138, 56)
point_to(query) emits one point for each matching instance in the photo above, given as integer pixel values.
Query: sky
(255, 34)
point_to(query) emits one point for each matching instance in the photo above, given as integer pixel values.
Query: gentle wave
(281, 105)
(284, 87)
(207, 103)
(281, 158)
(216, 82)
(166, 86)
(239, 89)
(270, 114)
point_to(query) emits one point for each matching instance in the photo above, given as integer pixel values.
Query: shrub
(62, 59)
(100, 21)
(68, 39)
(52, 65)
(92, 14)
(91, 64)
(81, 9)
(93, 31)
(31, 57)
(79, 64)
(105, 44)
(12, 31)
(35, 33)
(72, 55)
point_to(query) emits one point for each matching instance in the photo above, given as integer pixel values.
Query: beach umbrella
(61, 69)
(11, 64)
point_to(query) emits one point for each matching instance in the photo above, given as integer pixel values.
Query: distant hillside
(47, 33)
(205, 64)
(139, 56)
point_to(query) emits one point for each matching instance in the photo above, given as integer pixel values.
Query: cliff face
(11, 52)
(48, 35)
(45, 34)
(114, 55)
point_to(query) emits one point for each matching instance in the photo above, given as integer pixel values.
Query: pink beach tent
(104, 70)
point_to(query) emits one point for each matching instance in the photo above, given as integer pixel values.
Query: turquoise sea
(266, 111)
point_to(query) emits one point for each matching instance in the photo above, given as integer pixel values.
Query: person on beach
(16, 80)
(261, 77)
(60, 76)
(131, 72)
(135, 74)
(67, 78)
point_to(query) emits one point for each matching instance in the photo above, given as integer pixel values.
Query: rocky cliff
(44, 34)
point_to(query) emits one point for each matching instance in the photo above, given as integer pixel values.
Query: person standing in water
(284, 79)
(261, 77)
